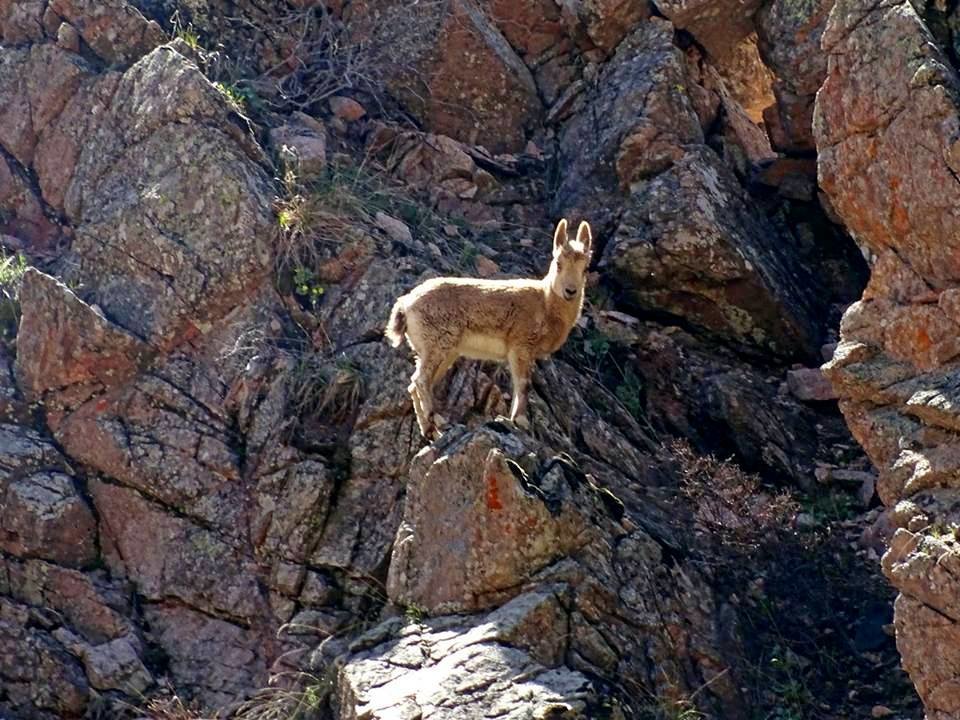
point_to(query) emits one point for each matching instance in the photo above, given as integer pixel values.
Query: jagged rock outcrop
(886, 126)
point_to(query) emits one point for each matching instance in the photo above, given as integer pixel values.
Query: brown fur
(516, 321)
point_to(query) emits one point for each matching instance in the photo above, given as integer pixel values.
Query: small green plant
(190, 37)
(944, 532)
(12, 268)
(306, 285)
(468, 256)
(185, 32)
(666, 709)
(596, 344)
(234, 95)
(630, 392)
(415, 613)
(291, 696)
(830, 506)
(788, 681)
(322, 387)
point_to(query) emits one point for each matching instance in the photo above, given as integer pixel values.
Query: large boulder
(453, 70)
(718, 25)
(604, 22)
(637, 122)
(114, 29)
(168, 195)
(691, 244)
(491, 515)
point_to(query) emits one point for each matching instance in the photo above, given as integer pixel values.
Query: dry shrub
(730, 507)
(320, 54)
(169, 706)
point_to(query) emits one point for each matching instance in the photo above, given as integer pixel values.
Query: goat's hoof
(522, 421)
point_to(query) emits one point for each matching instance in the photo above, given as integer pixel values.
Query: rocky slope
(210, 474)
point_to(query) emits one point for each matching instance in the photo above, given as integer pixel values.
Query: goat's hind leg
(521, 368)
(423, 418)
(431, 367)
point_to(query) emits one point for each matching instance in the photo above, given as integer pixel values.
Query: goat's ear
(560, 236)
(585, 237)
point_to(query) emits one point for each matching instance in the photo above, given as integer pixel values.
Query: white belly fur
(482, 347)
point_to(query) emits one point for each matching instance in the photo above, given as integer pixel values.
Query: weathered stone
(40, 679)
(606, 22)
(21, 20)
(885, 123)
(718, 25)
(43, 514)
(68, 38)
(91, 607)
(747, 79)
(67, 352)
(291, 507)
(166, 434)
(45, 517)
(533, 28)
(23, 216)
(396, 230)
(210, 659)
(391, 678)
(169, 557)
(524, 518)
(507, 532)
(113, 665)
(346, 108)
(455, 71)
(114, 29)
(789, 35)
(884, 127)
(42, 77)
(638, 124)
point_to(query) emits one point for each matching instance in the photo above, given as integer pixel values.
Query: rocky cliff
(213, 495)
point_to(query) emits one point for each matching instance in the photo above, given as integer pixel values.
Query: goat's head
(568, 271)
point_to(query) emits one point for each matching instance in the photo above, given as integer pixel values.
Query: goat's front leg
(521, 367)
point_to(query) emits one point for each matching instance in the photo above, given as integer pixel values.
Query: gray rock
(397, 679)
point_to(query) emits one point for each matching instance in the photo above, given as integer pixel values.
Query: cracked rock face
(886, 124)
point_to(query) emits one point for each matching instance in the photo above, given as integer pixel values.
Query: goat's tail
(397, 324)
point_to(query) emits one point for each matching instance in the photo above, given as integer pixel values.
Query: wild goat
(516, 321)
